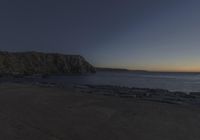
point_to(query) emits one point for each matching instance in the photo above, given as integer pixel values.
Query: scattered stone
(158, 95)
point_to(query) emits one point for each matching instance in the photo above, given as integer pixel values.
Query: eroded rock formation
(42, 63)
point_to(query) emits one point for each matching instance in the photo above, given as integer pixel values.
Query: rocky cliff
(42, 63)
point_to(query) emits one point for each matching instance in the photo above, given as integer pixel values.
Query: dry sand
(39, 113)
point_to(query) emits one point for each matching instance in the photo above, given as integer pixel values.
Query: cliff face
(43, 63)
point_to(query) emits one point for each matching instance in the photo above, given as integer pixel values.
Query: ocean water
(186, 82)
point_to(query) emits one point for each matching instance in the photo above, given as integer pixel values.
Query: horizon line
(166, 71)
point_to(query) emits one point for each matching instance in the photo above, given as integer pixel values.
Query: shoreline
(154, 95)
(173, 83)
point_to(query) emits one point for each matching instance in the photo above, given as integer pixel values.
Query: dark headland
(43, 63)
(48, 111)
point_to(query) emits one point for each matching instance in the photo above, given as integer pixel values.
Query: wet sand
(30, 112)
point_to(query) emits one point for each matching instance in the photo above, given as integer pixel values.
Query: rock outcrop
(42, 63)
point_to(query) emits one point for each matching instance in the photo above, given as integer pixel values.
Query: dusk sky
(161, 35)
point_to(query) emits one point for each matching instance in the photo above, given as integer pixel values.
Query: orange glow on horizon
(161, 69)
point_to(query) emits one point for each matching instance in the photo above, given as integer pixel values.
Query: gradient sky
(161, 35)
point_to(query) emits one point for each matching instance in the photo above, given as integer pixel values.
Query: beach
(45, 112)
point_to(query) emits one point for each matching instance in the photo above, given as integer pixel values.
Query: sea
(185, 82)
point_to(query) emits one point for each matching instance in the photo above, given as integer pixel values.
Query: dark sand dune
(38, 113)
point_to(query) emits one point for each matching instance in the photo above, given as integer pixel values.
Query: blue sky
(136, 34)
